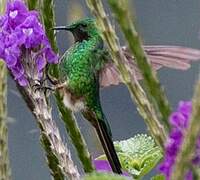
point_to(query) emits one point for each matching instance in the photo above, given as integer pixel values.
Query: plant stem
(145, 109)
(66, 115)
(5, 171)
(58, 155)
(154, 90)
(75, 135)
(191, 135)
(48, 16)
(32, 4)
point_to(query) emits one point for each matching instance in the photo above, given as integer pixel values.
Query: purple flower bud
(18, 71)
(16, 12)
(41, 63)
(32, 32)
(22, 81)
(11, 55)
(179, 121)
(51, 56)
(185, 107)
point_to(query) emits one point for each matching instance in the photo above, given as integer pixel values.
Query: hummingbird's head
(82, 29)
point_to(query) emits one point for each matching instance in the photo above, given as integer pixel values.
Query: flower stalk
(32, 4)
(58, 155)
(47, 11)
(145, 108)
(66, 115)
(154, 90)
(26, 50)
(5, 171)
(183, 161)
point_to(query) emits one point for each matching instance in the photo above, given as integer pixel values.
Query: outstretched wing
(175, 57)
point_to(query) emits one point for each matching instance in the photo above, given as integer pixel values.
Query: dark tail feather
(106, 141)
(108, 147)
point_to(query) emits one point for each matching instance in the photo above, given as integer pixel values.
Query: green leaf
(103, 176)
(138, 155)
(137, 145)
(158, 177)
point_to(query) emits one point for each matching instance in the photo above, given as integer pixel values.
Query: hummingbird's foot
(49, 77)
(41, 86)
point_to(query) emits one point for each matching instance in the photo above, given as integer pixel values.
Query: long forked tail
(105, 138)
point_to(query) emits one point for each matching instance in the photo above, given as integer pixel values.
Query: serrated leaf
(103, 176)
(138, 155)
(136, 145)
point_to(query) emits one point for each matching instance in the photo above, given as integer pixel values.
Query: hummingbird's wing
(175, 57)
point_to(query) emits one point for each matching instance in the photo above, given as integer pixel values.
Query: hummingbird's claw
(40, 86)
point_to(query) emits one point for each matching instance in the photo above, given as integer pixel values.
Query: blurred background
(173, 22)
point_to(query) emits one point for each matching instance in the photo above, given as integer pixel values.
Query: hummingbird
(86, 67)
(79, 71)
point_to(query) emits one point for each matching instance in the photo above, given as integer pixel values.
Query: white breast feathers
(72, 103)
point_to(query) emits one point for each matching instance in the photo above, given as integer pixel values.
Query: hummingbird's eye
(83, 25)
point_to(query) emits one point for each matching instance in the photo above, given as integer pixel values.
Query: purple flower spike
(179, 122)
(23, 39)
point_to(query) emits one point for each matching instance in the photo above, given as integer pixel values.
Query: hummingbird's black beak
(66, 28)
